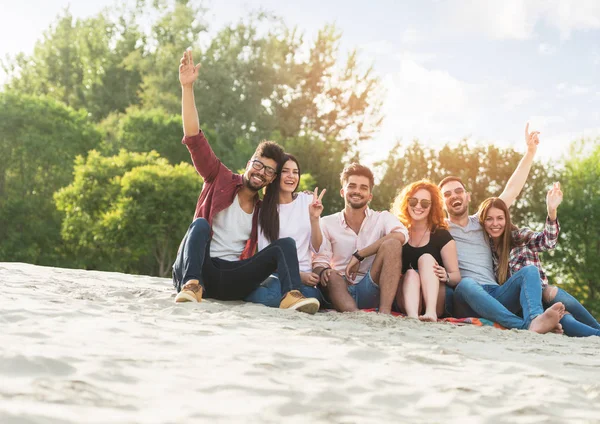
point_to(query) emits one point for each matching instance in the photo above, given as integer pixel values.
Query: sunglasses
(413, 201)
(258, 165)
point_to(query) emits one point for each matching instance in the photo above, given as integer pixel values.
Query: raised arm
(315, 209)
(188, 72)
(517, 180)
(205, 161)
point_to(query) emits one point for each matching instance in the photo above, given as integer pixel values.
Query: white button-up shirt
(340, 241)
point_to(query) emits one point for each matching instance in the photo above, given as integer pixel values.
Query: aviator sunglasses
(413, 201)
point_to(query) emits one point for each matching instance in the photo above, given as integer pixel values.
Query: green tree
(127, 212)
(141, 130)
(39, 138)
(85, 63)
(484, 170)
(575, 261)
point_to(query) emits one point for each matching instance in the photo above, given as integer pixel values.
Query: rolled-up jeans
(500, 303)
(269, 293)
(578, 322)
(233, 280)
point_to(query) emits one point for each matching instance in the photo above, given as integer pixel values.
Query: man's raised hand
(188, 72)
(532, 139)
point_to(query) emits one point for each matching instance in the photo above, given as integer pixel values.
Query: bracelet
(322, 271)
(447, 277)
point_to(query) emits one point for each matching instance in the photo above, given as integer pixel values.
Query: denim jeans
(365, 293)
(579, 322)
(522, 291)
(233, 280)
(269, 293)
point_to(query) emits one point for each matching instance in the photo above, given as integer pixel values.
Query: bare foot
(549, 320)
(428, 317)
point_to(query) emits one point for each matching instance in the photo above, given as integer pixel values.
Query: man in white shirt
(360, 259)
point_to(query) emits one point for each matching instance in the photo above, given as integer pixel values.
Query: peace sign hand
(316, 207)
(532, 139)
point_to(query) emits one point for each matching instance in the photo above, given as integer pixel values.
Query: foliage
(127, 212)
(484, 170)
(83, 63)
(39, 138)
(576, 257)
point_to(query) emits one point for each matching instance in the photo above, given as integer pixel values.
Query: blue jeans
(233, 280)
(579, 322)
(522, 291)
(449, 302)
(269, 293)
(365, 293)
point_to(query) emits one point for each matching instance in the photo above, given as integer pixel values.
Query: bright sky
(450, 69)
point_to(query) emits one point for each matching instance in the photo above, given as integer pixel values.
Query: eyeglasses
(258, 165)
(413, 201)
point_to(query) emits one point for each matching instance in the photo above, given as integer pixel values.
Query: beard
(249, 183)
(356, 203)
(461, 211)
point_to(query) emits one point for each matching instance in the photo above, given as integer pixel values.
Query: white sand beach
(97, 347)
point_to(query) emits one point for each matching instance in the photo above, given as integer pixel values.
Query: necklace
(422, 237)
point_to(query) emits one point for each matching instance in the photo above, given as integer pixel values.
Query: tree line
(93, 174)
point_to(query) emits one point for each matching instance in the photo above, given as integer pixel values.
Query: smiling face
(255, 179)
(357, 191)
(456, 199)
(494, 222)
(418, 212)
(290, 177)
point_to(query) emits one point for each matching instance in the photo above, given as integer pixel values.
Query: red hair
(435, 219)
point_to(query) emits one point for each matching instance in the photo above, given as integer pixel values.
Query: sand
(97, 347)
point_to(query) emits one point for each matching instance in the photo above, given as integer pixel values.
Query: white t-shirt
(474, 253)
(294, 222)
(231, 230)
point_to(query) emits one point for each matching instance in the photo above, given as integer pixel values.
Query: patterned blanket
(479, 322)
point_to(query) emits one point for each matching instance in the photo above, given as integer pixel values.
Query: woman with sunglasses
(429, 259)
(286, 213)
(518, 247)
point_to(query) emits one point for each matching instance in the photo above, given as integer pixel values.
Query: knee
(549, 294)
(531, 272)
(426, 260)
(391, 246)
(336, 281)
(200, 224)
(466, 284)
(286, 243)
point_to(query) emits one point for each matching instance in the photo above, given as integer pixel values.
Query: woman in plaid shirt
(515, 249)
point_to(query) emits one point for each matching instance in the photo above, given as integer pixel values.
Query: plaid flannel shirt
(527, 245)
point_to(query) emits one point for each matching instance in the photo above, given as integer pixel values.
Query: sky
(476, 69)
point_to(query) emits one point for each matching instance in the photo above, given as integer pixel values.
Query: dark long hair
(269, 213)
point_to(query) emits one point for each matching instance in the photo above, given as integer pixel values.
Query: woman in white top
(286, 213)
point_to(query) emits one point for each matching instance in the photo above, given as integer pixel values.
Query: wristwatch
(357, 256)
